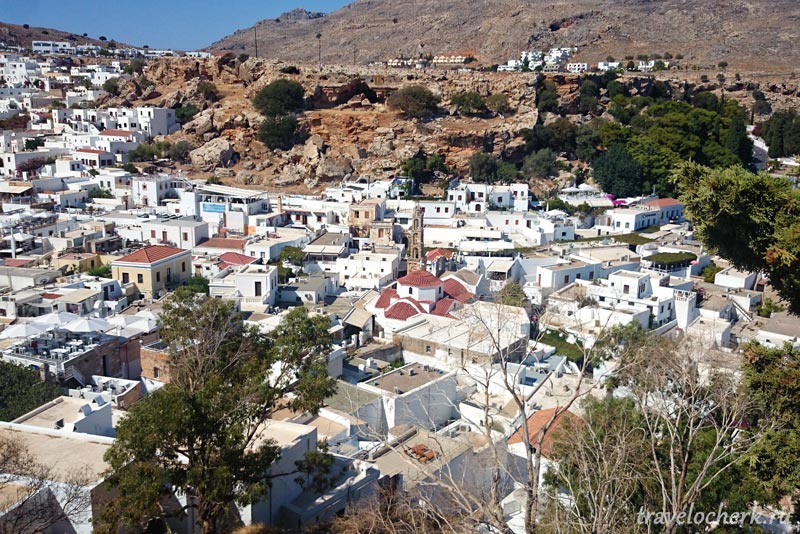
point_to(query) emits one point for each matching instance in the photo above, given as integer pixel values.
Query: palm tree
(319, 48)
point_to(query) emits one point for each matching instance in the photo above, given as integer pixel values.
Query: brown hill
(758, 35)
(18, 35)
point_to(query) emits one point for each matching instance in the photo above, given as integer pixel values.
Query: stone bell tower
(415, 255)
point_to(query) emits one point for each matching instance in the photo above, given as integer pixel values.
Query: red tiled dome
(419, 278)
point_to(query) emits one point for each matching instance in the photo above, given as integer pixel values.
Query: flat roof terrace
(407, 378)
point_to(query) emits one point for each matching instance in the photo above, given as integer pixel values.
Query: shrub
(100, 193)
(149, 151)
(186, 113)
(111, 86)
(709, 272)
(468, 101)
(541, 164)
(103, 271)
(130, 167)
(180, 150)
(281, 132)
(208, 90)
(414, 100)
(498, 103)
(280, 97)
(33, 144)
(134, 67)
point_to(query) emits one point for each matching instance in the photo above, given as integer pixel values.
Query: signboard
(213, 208)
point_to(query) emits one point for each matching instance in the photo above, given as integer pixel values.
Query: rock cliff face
(758, 34)
(350, 130)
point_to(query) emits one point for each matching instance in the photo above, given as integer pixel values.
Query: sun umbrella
(57, 318)
(24, 330)
(88, 325)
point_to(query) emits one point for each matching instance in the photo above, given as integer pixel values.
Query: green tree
(760, 104)
(111, 86)
(293, 255)
(618, 173)
(512, 295)
(562, 135)
(22, 390)
(588, 94)
(186, 113)
(282, 131)
(772, 377)
(436, 163)
(483, 167)
(547, 97)
(615, 88)
(197, 285)
(180, 150)
(468, 102)
(541, 164)
(587, 139)
(225, 380)
(498, 103)
(136, 66)
(415, 101)
(279, 98)
(102, 271)
(414, 168)
(748, 219)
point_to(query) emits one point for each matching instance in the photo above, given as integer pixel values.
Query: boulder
(354, 152)
(218, 152)
(202, 123)
(334, 168)
(150, 92)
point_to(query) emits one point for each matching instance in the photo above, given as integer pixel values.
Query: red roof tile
(443, 307)
(117, 133)
(224, 242)
(536, 423)
(90, 151)
(457, 291)
(15, 262)
(234, 258)
(663, 203)
(420, 278)
(437, 252)
(403, 309)
(386, 298)
(51, 296)
(151, 254)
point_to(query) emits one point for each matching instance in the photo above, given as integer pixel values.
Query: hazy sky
(180, 24)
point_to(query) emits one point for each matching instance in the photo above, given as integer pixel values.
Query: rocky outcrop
(218, 152)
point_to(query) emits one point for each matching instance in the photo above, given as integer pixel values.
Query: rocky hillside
(18, 35)
(351, 131)
(758, 35)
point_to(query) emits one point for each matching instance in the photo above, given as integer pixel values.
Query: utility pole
(354, 54)
(255, 39)
(319, 49)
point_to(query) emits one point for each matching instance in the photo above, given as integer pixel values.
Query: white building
(254, 286)
(577, 68)
(150, 121)
(53, 47)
